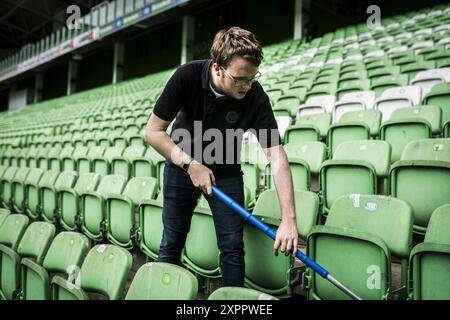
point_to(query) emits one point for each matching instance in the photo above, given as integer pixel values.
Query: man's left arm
(287, 236)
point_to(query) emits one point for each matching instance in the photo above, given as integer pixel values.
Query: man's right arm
(157, 137)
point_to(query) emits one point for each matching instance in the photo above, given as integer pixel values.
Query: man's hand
(287, 238)
(201, 177)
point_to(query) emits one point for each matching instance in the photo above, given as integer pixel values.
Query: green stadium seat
(319, 121)
(408, 124)
(163, 281)
(356, 243)
(85, 163)
(371, 117)
(274, 277)
(424, 165)
(42, 159)
(53, 162)
(11, 232)
(18, 190)
(360, 162)
(104, 271)
(122, 209)
(239, 293)
(69, 163)
(346, 131)
(440, 96)
(150, 226)
(286, 106)
(93, 204)
(411, 69)
(70, 200)
(30, 192)
(145, 166)
(102, 165)
(305, 159)
(200, 253)
(123, 164)
(49, 196)
(6, 186)
(429, 260)
(32, 249)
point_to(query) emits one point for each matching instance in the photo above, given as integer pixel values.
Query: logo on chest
(232, 117)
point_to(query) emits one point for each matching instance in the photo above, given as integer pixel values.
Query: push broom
(268, 231)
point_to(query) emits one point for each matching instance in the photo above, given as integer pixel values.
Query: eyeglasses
(241, 81)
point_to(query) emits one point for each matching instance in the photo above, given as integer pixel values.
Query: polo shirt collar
(205, 75)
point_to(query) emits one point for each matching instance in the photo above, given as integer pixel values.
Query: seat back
(105, 270)
(12, 230)
(395, 98)
(427, 149)
(386, 217)
(313, 152)
(66, 252)
(432, 114)
(36, 240)
(141, 188)
(371, 117)
(86, 182)
(162, 281)
(375, 152)
(109, 184)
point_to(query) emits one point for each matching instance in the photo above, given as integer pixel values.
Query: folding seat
(429, 260)
(145, 166)
(104, 272)
(102, 137)
(239, 293)
(11, 232)
(422, 178)
(427, 79)
(122, 223)
(102, 165)
(368, 230)
(411, 69)
(363, 163)
(69, 200)
(408, 124)
(346, 131)
(53, 162)
(150, 227)
(42, 159)
(281, 85)
(85, 163)
(56, 159)
(89, 138)
(377, 62)
(162, 281)
(64, 257)
(274, 94)
(123, 164)
(353, 101)
(274, 278)
(440, 96)
(200, 253)
(20, 158)
(93, 203)
(16, 154)
(123, 140)
(314, 105)
(77, 138)
(6, 186)
(305, 159)
(383, 83)
(370, 117)
(320, 90)
(352, 86)
(17, 190)
(405, 57)
(21, 191)
(395, 98)
(302, 83)
(286, 106)
(69, 162)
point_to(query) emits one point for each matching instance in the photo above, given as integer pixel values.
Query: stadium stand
(365, 116)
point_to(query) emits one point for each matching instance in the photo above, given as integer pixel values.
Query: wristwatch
(186, 163)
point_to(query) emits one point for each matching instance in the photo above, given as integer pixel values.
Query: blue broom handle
(266, 229)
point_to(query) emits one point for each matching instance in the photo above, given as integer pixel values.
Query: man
(220, 94)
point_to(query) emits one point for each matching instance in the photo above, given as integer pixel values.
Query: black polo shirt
(189, 98)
